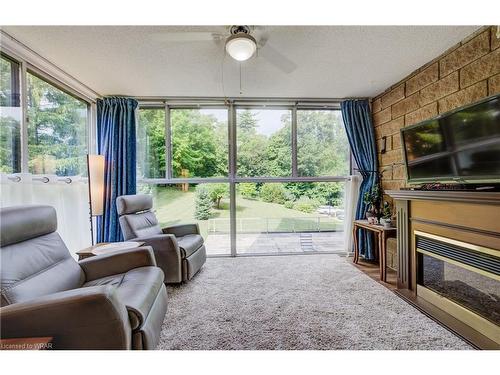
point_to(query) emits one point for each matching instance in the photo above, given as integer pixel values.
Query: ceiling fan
(240, 42)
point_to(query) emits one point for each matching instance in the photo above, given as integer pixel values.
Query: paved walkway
(275, 243)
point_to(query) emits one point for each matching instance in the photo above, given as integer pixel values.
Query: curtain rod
(242, 104)
(243, 99)
(43, 179)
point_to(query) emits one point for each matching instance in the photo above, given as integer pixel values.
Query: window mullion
(92, 128)
(168, 143)
(232, 176)
(294, 141)
(232, 141)
(24, 118)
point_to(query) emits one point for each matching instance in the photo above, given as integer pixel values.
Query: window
(57, 130)
(264, 142)
(151, 143)
(293, 217)
(322, 145)
(286, 197)
(10, 117)
(199, 142)
(205, 204)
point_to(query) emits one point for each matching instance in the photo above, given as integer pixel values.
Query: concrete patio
(276, 243)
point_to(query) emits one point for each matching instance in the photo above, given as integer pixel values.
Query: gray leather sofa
(113, 301)
(179, 250)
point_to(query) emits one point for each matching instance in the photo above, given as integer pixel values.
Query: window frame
(231, 107)
(26, 67)
(169, 144)
(293, 137)
(18, 73)
(18, 102)
(233, 179)
(167, 138)
(350, 156)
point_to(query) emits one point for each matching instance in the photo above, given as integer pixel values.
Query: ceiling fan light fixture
(241, 46)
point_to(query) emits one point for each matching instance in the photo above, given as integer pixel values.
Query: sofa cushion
(189, 244)
(137, 289)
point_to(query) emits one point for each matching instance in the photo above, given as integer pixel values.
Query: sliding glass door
(257, 180)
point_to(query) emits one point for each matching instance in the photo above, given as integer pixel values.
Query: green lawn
(175, 207)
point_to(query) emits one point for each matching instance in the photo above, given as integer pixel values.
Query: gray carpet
(294, 302)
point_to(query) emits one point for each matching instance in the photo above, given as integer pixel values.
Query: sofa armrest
(182, 229)
(167, 254)
(115, 263)
(83, 318)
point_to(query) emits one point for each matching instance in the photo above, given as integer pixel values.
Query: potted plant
(386, 219)
(372, 199)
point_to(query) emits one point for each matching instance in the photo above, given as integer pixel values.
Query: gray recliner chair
(113, 301)
(179, 249)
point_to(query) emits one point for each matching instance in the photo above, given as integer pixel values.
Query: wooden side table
(381, 234)
(104, 247)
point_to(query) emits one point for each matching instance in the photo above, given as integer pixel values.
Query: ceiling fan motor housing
(239, 29)
(241, 45)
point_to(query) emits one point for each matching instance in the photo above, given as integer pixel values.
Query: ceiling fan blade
(261, 36)
(277, 59)
(197, 36)
(261, 42)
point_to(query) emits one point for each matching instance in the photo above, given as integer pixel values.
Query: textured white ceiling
(330, 61)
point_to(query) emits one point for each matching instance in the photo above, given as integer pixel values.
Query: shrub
(203, 203)
(329, 193)
(289, 204)
(217, 192)
(274, 193)
(306, 204)
(248, 190)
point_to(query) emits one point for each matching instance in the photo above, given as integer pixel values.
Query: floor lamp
(95, 165)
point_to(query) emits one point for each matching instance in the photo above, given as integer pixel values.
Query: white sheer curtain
(69, 199)
(351, 201)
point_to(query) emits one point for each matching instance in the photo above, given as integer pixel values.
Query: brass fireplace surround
(476, 321)
(455, 219)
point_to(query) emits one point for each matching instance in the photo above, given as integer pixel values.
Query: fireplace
(448, 245)
(461, 279)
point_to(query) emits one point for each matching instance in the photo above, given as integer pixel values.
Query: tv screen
(463, 145)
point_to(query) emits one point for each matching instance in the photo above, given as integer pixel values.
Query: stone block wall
(467, 72)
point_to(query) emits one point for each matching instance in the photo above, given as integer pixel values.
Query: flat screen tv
(460, 146)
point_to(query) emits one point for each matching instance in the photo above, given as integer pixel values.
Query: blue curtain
(358, 125)
(116, 141)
